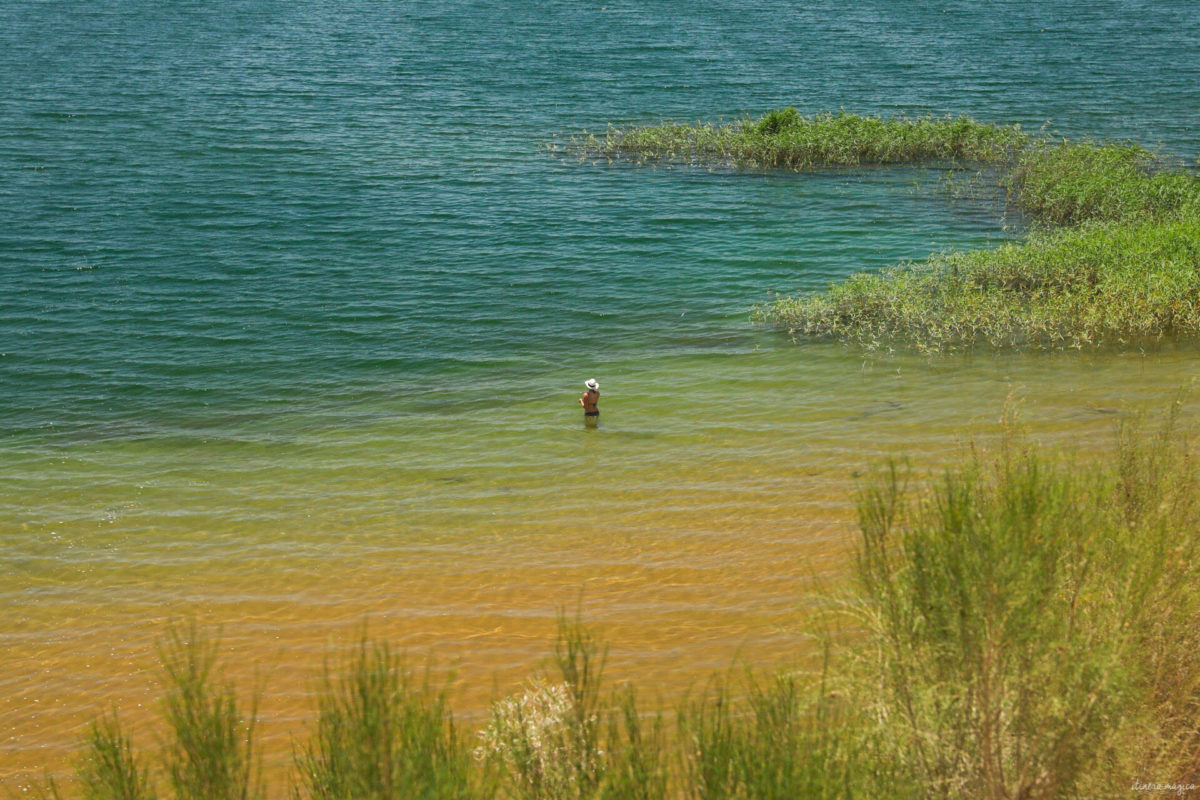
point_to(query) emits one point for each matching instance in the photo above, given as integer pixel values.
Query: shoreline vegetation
(1024, 626)
(1113, 256)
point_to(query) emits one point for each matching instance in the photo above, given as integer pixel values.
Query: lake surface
(295, 306)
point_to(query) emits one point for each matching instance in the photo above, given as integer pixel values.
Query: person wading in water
(590, 400)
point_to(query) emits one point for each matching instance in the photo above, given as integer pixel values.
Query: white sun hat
(591, 384)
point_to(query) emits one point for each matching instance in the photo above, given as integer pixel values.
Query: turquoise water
(295, 307)
(213, 212)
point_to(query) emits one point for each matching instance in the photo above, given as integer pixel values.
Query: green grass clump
(1068, 183)
(639, 760)
(109, 769)
(208, 752)
(381, 735)
(1103, 283)
(790, 140)
(211, 754)
(1033, 627)
(787, 736)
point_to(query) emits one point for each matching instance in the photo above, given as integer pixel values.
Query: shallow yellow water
(693, 527)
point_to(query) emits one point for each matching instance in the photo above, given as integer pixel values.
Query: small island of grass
(1113, 256)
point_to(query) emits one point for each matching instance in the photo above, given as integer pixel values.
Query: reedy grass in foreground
(785, 736)
(210, 754)
(1024, 611)
(380, 734)
(1026, 626)
(110, 768)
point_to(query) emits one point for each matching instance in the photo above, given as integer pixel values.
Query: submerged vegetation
(785, 138)
(1026, 626)
(1113, 256)
(1110, 282)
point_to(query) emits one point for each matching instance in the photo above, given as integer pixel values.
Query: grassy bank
(1025, 626)
(1112, 258)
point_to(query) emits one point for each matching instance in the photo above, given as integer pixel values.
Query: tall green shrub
(210, 752)
(382, 736)
(1023, 615)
